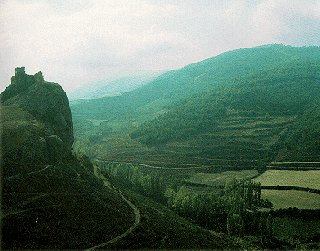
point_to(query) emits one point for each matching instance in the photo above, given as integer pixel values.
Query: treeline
(234, 209)
(230, 209)
(134, 177)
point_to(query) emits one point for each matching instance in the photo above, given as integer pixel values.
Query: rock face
(36, 121)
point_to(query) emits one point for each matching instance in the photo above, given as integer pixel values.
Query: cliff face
(36, 121)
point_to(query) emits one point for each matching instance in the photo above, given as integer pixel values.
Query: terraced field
(240, 141)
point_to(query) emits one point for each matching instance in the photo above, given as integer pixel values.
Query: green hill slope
(243, 121)
(236, 109)
(50, 198)
(195, 78)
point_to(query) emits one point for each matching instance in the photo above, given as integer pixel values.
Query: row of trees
(231, 208)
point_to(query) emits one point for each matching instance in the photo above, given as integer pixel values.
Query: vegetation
(292, 198)
(301, 233)
(308, 179)
(65, 207)
(242, 122)
(239, 110)
(226, 117)
(219, 179)
(161, 228)
(184, 149)
(215, 209)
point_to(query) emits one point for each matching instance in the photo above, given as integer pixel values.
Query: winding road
(136, 211)
(153, 167)
(27, 174)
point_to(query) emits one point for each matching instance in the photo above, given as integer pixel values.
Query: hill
(50, 198)
(246, 121)
(236, 109)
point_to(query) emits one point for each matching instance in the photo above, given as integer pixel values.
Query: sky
(77, 42)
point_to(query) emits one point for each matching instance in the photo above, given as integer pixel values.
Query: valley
(192, 137)
(219, 154)
(160, 125)
(136, 211)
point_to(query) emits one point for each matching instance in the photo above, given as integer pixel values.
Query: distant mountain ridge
(112, 87)
(199, 77)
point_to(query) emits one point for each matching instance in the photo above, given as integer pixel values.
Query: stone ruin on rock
(36, 121)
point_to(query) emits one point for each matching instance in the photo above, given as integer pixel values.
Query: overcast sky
(75, 42)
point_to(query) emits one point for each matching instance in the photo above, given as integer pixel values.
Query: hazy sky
(75, 42)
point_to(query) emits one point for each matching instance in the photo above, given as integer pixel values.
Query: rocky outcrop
(36, 121)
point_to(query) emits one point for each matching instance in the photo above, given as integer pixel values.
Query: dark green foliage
(221, 209)
(161, 228)
(50, 199)
(303, 139)
(239, 110)
(283, 92)
(63, 207)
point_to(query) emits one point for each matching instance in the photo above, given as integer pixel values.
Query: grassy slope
(309, 179)
(59, 206)
(160, 228)
(63, 207)
(246, 123)
(292, 198)
(219, 179)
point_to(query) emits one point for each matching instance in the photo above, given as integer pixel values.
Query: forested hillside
(241, 108)
(245, 120)
(196, 78)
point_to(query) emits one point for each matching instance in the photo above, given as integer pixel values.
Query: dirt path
(22, 211)
(173, 168)
(295, 162)
(136, 211)
(27, 174)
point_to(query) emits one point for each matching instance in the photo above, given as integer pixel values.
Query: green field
(308, 179)
(214, 179)
(292, 198)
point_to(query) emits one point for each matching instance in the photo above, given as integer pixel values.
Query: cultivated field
(292, 198)
(308, 179)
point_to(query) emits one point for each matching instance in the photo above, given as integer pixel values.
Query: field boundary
(297, 188)
(294, 168)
